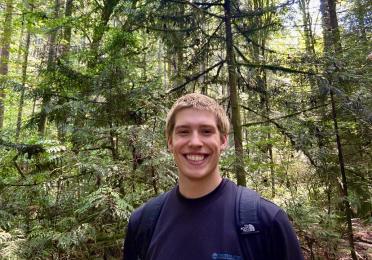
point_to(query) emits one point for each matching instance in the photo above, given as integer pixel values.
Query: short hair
(199, 102)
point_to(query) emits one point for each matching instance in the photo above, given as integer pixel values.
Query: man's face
(196, 144)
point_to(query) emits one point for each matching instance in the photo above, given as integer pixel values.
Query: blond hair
(199, 102)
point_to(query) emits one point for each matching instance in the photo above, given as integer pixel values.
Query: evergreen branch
(166, 29)
(198, 7)
(202, 49)
(208, 4)
(84, 99)
(260, 11)
(29, 149)
(284, 131)
(188, 80)
(43, 182)
(249, 40)
(276, 68)
(73, 74)
(254, 88)
(282, 117)
(269, 67)
(217, 73)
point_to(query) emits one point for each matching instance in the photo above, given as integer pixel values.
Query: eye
(207, 131)
(182, 132)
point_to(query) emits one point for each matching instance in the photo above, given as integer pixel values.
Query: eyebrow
(188, 126)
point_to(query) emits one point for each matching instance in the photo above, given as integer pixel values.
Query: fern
(104, 201)
(11, 243)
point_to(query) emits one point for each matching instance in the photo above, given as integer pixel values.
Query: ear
(224, 142)
(170, 144)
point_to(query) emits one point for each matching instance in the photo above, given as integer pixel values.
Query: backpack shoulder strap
(252, 236)
(149, 217)
(247, 206)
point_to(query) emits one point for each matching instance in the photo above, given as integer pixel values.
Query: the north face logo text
(224, 256)
(247, 228)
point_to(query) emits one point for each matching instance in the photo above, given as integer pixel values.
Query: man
(197, 219)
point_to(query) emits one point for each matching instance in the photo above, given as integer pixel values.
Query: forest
(84, 91)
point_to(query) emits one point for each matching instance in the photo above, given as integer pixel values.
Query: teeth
(195, 157)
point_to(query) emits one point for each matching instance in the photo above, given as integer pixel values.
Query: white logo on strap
(248, 228)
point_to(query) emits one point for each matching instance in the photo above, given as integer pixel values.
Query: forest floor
(362, 240)
(363, 245)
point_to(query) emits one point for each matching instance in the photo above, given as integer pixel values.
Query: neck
(197, 188)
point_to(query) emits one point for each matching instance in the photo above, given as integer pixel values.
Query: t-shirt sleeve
(285, 245)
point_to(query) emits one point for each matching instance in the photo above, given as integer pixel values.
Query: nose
(195, 140)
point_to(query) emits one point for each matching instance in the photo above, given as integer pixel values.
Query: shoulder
(280, 232)
(268, 213)
(269, 210)
(135, 216)
(275, 219)
(272, 215)
(153, 206)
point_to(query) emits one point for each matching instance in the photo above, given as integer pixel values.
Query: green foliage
(104, 93)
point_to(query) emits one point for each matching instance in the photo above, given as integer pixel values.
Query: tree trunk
(98, 33)
(67, 29)
(61, 117)
(46, 97)
(344, 187)
(322, 166)
(234, 98)
(4, 56)
(100, 30)
(24, 79)
(331, 33)
(332, 48)
(360, 13)
(307, 24)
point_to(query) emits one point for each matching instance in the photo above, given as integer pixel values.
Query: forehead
(194, 117)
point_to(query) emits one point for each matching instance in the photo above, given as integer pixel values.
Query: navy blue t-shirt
(205, 228)
(197, 228)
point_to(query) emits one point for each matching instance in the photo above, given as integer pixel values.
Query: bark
(259, 57)
(234, 98)
(4, 56)
(332, 46)
(114, 141)
(331, 33)
(100, 30)
(67, 29)
(98, 34)
(360, 13)
(24, 80)
(307, 24)
(154, 179)
(322, 171)
(61, 117)
(344, 187)
(46, 97)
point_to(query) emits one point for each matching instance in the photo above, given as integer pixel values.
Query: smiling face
(196, 144)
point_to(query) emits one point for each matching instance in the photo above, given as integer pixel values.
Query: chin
(197, 176)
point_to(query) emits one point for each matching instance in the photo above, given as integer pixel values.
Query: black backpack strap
(247, 206)
(252, 236)
(149, 217)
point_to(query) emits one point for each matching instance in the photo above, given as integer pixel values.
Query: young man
(197, 220)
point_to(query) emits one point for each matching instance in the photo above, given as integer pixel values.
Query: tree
(4, 56)
(52, 52)
(332, 46)
(234, 97)
(25, 49)
(117, 68)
